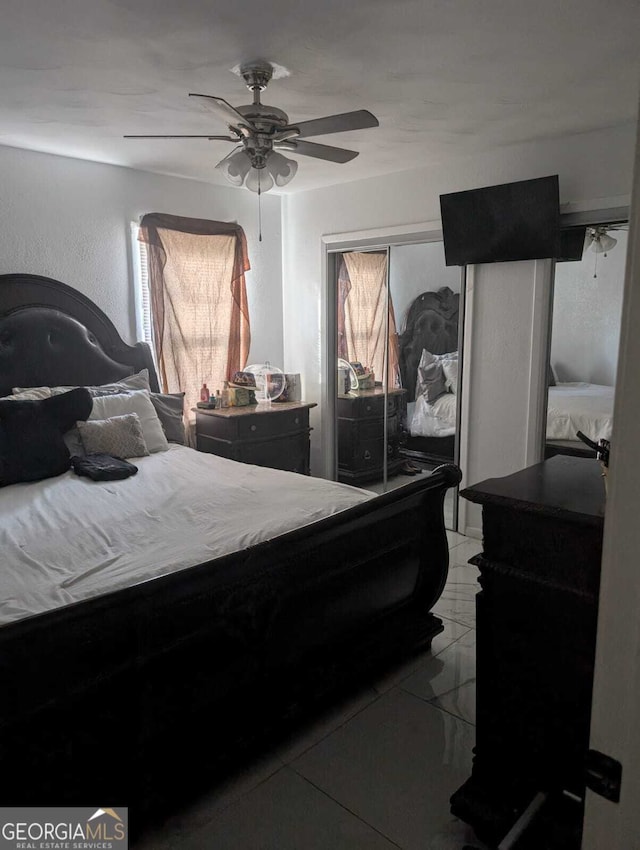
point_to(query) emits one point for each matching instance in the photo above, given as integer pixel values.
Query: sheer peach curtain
(361, 315)
(198, 300)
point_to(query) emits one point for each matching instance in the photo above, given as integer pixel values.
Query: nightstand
(275, 435)
(361, 447)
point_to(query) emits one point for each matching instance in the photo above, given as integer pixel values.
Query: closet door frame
(332, 246)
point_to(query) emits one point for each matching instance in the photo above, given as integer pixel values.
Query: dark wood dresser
(536, 632)
(361, 447)
(275, 435)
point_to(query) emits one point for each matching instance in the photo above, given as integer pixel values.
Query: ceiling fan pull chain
(259, 210)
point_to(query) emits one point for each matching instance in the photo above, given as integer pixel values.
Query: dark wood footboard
(114, 698)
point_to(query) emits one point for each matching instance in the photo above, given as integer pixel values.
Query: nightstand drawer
(289, 453)
(276, 436)
(368, 407)
(272, 423)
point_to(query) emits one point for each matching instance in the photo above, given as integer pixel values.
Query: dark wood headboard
(52, 335)
(431, 323)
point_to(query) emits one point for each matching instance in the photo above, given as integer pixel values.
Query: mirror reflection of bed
(421, 376)
(585, 334)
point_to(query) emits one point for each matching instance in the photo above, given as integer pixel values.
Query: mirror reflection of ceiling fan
(598, 239)
(261, 132)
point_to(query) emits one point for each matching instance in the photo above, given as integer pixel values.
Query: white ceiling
(444, 77)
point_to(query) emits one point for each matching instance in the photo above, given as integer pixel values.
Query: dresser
(361, 445)
(536, 633)
(275, 435)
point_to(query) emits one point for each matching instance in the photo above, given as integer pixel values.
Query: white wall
(504, 376)
(586, 316)
(414, 269)
(69, 219)
(591, 166)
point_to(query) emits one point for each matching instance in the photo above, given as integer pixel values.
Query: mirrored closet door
(398, 322)
(585, 334)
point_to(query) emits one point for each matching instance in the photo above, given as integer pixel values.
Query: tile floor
(374, 773)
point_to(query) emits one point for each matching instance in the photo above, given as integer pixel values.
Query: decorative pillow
(120, 436)
(450, 369)
(136, 401)
(170, 410)
(31, 442)
(431, 382)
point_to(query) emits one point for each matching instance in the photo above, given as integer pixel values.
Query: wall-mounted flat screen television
(495, 224)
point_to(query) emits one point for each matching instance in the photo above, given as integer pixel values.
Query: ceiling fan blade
(225, 112)
(359, 120)
(211, 138)
(327, 152)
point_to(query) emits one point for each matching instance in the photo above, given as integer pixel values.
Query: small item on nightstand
(218, 399)
(225, 395)
(212, 401)
(204, 393)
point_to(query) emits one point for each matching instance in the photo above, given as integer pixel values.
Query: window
(144, 326)
(191, 301)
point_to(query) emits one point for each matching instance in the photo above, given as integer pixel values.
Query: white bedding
(68, 538)
(434, 419)
(582, 407)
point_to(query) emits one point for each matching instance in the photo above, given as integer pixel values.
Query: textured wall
(70, 219)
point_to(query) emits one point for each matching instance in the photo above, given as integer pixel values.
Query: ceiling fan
(261, 132)
(598, 238)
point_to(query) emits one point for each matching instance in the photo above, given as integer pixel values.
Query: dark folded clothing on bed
(102, 467)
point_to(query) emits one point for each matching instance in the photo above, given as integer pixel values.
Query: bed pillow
(136, 401)
(31, 435)
(32, 394)
(120, 436)
(431, 382)
(170, 410)
(450, 369)
(139, 381)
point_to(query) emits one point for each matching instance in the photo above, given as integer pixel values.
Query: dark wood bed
(432, 324)
(135, 696)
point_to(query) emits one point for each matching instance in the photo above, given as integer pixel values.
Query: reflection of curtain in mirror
(361, 314)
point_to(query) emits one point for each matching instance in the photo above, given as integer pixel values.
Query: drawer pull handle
(254, 427)
(368, 408)
(297, 422)
(367, 455)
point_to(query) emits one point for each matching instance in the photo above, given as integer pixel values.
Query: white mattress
(435, 419)
(68, 538)
(582, 407)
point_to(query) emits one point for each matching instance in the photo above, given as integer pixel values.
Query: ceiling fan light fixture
(259, 180)
(282, 169)
(604, 243)
(236, 167)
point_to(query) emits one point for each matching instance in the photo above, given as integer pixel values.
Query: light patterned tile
(395, 766)
(284, 813)
(209, 805)
(451, 682)
(455, 539)
(307, 735)
(391, 678)
(464, 551)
